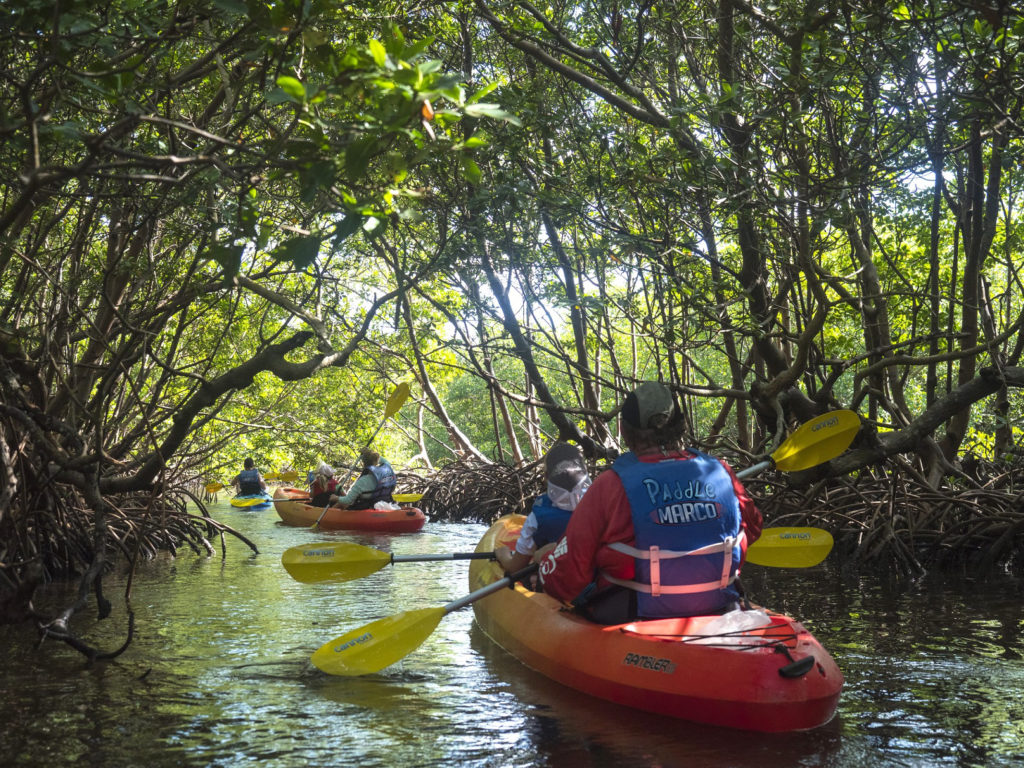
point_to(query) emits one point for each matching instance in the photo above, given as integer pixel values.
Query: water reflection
(219, 675)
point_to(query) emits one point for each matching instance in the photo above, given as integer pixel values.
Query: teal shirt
(364, 484)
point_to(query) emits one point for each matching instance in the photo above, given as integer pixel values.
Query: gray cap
(564, 466)
(650, 406)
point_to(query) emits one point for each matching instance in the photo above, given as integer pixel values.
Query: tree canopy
(231, 227)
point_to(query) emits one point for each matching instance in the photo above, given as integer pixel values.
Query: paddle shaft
(394, 403)
(490, 589)
(317, 523)
(444, 556)
(754, 469)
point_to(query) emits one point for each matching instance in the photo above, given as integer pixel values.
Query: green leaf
(482, 92)
(296, 91)
(349, 225)
(377, 50)
(493, 111)
(357, 158)
(473, 142)
(416, 49)
(313, 178)
(301, 251)
(471, 171)
(229, 256)
(233, 7)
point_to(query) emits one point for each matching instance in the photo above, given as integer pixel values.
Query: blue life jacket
(687, 523)
(249, 482)
(551, 521)
(386, 480)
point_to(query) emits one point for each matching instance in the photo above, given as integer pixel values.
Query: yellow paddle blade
(272, 476)
(819, 440)
(332, 561)
(378, 644)
(236, 502)
(790, 547)
(213, 487)
(288, 477)
(406, 498)
(396, 401)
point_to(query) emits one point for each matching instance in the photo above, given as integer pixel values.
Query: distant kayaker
(249, 482)
(322, 485)
(376, 483)
(663, 534)
(568, 479)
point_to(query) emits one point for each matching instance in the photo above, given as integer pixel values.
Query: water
(218, 674)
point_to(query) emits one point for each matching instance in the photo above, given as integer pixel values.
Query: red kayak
(293, 511)
(756, 670)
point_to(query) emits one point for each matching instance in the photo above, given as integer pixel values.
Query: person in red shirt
(323, 485)
(662, 534)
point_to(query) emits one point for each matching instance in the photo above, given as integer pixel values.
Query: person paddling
(375, 484)
(249, 482)
(567, 480)
(322, 485)
(663, 534)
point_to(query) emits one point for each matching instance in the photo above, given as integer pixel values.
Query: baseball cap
(650, 406)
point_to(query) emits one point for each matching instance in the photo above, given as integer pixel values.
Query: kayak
(293, 511)
(754, 670)
(252, 501)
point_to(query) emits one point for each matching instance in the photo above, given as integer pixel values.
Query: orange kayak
(772, 677)
(292, 510)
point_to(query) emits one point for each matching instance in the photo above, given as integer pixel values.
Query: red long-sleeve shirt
(603, 517)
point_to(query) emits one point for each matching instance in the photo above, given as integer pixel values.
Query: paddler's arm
(750, 515)
(512, 560)
(597, 520)
(364, 484)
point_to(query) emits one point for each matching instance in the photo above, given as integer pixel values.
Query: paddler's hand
(502, 555)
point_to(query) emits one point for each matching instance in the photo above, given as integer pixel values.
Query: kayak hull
(253, 501)
(300, 514)
(664, 666)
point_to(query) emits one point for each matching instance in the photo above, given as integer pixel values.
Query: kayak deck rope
(762, 641)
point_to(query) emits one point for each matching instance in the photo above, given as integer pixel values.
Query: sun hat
(564, 466)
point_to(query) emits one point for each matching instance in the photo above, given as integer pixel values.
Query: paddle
(391, 407)
(237, 502)
(383, 642)
(819, 440)
(346, 561)
(342, 561)
(213, 487)
(790, 547)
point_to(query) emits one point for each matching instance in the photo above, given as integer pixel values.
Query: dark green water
(218, 675)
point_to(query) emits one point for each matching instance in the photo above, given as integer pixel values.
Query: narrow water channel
(218, 674)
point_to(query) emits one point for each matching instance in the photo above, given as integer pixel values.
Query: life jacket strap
(656, 555)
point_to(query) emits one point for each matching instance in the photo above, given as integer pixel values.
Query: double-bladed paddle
(383, 642)
(341, 561)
